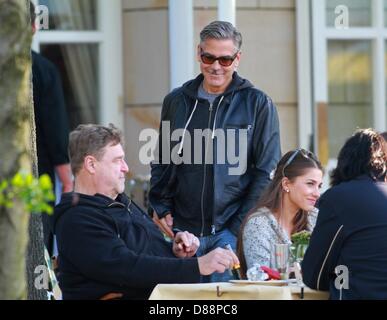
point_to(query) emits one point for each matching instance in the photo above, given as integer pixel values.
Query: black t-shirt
(50, 115)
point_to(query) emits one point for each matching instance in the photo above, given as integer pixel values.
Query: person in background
(287, 206)
(347, 253)
(52, 128)
(205, 196)
(107, 245)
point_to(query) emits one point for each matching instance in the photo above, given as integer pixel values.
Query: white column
(378, 63)
(226, 10)
(181, 41)
(111, 63)
(319, 52)
(304, 72)
(320, 76)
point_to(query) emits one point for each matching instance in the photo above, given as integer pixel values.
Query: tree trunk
(16, 116)
(35, 249)
(35, 257)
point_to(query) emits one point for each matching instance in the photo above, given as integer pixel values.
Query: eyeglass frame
(292, 157)
(210, 56)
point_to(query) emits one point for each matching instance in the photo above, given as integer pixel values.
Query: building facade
(322, 62)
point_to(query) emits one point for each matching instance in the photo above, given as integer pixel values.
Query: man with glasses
(202, 193)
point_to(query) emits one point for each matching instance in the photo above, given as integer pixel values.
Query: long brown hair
(292, 165)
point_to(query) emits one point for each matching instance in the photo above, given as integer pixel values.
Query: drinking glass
(281, 259)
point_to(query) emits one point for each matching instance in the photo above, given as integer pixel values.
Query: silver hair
(221, 30)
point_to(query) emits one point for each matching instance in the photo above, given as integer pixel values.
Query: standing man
(207, 193)
(51, 127)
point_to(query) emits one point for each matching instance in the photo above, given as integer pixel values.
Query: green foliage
(301, 237)
(34, 193)
(300, 241)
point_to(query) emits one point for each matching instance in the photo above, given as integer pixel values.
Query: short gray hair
(90, 140)
(221, 30)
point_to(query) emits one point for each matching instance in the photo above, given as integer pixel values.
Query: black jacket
(351, 230)
(112, 246)
(180, 189)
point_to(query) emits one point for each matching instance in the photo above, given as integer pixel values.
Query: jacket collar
(191, 87)
(369, 178)
(122, 198)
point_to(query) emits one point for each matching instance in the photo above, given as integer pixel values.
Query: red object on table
(273, 274)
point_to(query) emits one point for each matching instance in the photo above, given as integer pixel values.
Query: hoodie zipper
(216, 115)
(213, 229)
(205, 167)
(205, 173)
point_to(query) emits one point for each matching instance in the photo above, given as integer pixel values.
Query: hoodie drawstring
(189, 120)
(216, 114)
(186, 126)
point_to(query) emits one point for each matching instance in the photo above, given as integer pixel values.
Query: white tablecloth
(232, 291)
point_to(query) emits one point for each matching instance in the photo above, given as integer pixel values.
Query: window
(349, 71)
(84, 41)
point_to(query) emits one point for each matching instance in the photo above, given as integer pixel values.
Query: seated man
(106, 243)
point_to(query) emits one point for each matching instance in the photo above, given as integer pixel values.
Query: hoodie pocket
(238, 126)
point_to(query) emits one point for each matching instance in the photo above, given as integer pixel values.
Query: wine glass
(299, 256)
(300, 252)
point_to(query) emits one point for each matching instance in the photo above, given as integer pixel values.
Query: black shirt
(50, 115)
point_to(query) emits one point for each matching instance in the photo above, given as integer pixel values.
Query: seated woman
(347, 253)
(286, 207)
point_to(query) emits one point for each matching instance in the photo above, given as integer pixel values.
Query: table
(232, 291)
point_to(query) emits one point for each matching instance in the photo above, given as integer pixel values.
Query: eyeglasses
(303, 152)
(224, 61)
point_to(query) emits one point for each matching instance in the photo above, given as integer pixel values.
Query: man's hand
(218, 260)
(185, 244)
(165, 224)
